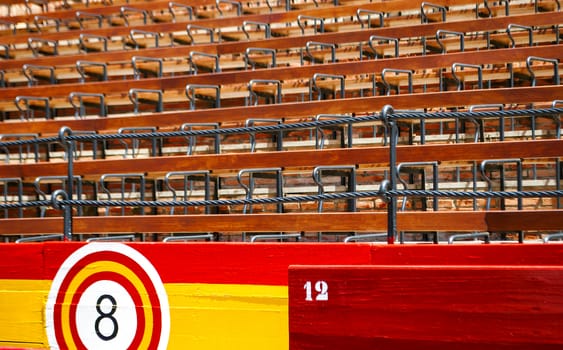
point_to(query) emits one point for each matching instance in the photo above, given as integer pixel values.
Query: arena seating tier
(296, 120)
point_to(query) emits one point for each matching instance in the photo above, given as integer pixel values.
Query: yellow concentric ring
(105, 266)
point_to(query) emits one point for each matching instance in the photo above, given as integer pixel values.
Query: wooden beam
(289, 73)
(237, 21)
(524, 220)
(458, 221)
(158, 166)
(520, 95)
(94, 8)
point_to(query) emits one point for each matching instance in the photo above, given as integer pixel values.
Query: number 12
(321, 287)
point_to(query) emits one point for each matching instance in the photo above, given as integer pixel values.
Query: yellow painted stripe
(22, 319)
(202, 316)
(221, 316)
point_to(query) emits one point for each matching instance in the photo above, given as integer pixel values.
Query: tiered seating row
(80, 88)
(321, 81)
(429, 30)
(293, 165)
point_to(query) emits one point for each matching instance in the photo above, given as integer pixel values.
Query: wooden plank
(204, 297)
(288, 222)
(286, 159)
(520, 95)
(236, 21)
(284, 43)
(198, 223)
(289, 73)
(98, 9)
(425, 307)
(302, 158)
(467, 254)
(506, 221)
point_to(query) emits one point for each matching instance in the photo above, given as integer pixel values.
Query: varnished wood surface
(372, 104)
(287, 159)
(430, 29)
(287, 73)
(235, 21)
(293, 222)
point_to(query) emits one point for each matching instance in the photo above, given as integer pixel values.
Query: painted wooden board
(219, 295)
(425, 307)
(153, 295)
(464, 254)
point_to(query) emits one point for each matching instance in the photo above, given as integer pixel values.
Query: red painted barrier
(463, 254)
(62, 292)
(425, 307)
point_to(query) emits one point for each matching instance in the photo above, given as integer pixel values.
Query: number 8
(106, 315)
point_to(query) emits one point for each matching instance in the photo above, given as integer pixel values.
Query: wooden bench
(220, 23)
(10, 76)
(339, 222)
(519, 95)
(535, 149)
(292, 73)
(280, 44)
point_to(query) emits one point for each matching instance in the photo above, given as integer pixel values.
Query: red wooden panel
(468, 254)
(21, 261)
(425, 307)
(230, 263)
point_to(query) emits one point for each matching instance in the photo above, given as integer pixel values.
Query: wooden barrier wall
(192, 295)
(425, 307)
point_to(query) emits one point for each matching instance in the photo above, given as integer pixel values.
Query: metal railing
(63, 199)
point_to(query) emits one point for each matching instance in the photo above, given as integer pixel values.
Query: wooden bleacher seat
(176, 12)
(222, 8)
(264, 7)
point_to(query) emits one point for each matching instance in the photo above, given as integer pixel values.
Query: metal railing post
(67, 209)
(67, 213)
(392, 184)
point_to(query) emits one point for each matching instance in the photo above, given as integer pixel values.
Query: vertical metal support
(346, 138)
(379, 15)
(67, 209)
(558, 164)
(265, 173)
(67, 213)
(191, 139)
(499, 163)
(414, 168)
(373, 51)
(325, 90)
(342, 171)
(5, 195)
(120, 181)
(67, 223)
(187, 179)
(554, 62)
(248, 61)
(156, 145)
(277, 135)
(424, 18)
(388, 85)
(392, 204)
